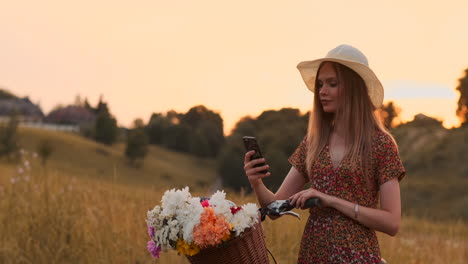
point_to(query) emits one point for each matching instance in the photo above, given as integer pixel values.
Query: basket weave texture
(248, 248)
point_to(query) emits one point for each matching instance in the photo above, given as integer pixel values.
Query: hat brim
(308, 70)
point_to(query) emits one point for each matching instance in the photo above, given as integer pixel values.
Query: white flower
(191, 218)
(154, 218)
(221, 206)
(245, 218)
(251, 210)
(174, 229)
(174, 200)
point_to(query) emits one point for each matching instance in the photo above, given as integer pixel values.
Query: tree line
(199, 132)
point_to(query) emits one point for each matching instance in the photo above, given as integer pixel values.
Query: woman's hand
(252, 173)
(299, 199)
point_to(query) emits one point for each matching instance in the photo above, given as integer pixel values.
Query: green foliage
(436, 169)
(176, 137)
(278, 133)
(389, 112)
(9, 137)
(198, 132)
(421, 120)
(105, 128)
(462, 109)
(137, 144)
(156, 128)
(231, 163)
(44, 150)
(5, 94)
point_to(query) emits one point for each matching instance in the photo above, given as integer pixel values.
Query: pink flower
(151, 231)
(205, 203)
(153, 249)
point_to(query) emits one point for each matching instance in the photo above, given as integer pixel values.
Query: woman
(349, 159)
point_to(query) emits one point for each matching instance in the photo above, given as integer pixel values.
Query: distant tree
(279, 132)
(199, 144)
(462, 109)
(389, 113)
(105, 128)
(230, 164)
(156, 127)
(176, 137)
(198, 132)
(9, 137)
(137, 144)
(44, 150)
(88, 106)
(101, 106)
(422, 120)
(5, 94)
(207, 134)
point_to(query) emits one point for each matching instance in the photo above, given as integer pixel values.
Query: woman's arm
(386, 219)
(293, 182)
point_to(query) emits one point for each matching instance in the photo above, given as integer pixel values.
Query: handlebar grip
(312, 202)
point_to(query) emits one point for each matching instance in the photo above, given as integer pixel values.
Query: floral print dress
(330, 236)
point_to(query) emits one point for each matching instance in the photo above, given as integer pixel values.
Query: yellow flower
(187, 249)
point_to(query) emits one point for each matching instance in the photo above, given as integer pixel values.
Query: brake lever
(284, 207)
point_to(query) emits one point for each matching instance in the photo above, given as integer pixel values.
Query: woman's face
(327, 85)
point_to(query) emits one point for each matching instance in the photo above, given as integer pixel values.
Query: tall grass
(47, 217)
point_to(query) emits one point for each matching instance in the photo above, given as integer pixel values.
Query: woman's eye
(333, 84)
(319, 84)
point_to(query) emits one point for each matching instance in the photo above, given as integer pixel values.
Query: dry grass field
(52, 218)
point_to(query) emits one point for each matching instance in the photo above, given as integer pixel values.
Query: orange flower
(212, 229)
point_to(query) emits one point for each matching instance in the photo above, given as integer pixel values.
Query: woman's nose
(323, 90)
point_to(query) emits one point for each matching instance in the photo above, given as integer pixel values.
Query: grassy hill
(437, 170)
(434, 157)
(76, 156)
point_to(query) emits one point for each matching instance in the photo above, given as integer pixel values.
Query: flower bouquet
(206, 230)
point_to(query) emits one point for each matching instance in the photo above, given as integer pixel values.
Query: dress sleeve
(298, 159)
(388, 162)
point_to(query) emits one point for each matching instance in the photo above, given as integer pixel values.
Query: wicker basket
(249, 248)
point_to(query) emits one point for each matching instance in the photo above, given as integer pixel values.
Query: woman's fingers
(293, 199)
(253, 172)
(248, 156)
(256, 171)
(299, 199)
(254, 162)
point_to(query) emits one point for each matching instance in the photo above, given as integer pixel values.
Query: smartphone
(251, 143)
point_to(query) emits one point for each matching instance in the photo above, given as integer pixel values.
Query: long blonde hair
(355, 113)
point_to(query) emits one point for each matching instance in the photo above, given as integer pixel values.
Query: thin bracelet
(356, 210)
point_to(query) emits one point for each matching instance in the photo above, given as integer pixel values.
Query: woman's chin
(328, 110)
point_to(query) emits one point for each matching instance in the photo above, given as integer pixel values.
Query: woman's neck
(338, 129)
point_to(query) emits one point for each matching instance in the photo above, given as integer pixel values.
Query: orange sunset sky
(235, 57)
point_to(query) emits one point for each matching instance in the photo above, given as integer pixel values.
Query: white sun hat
(352, 58)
